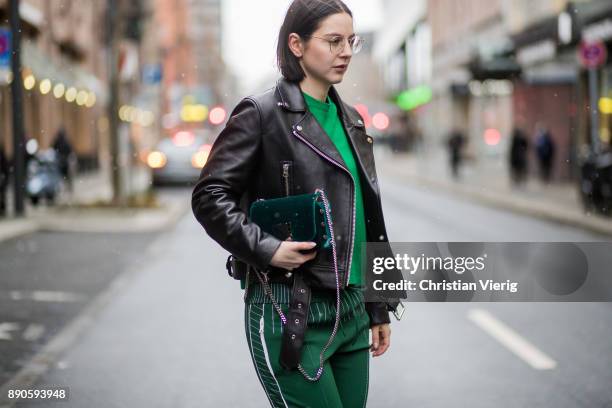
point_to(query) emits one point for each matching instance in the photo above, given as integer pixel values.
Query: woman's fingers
(375, 338)
(385, 339)
(381, 339)
(289, 256)
(310, 256)
(304, 246)
(300, 257)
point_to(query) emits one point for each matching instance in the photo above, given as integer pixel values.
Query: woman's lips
(340, 67)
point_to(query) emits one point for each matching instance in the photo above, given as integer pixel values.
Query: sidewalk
(486, 180)
(72, 214)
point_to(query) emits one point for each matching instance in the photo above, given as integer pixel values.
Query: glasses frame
(355, 47)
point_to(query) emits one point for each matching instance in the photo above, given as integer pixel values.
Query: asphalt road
(174, 336)
(47, 278)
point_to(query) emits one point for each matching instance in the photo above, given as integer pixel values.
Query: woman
(293, 139)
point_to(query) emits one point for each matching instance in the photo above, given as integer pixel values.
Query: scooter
(44, 179)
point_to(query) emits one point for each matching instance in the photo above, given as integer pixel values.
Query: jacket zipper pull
(286, 177)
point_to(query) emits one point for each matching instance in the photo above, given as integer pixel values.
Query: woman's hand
(288, 255)
(381, 339)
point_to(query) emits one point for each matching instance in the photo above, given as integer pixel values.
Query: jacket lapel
(308, 128)
(306, 125)
(312, 131)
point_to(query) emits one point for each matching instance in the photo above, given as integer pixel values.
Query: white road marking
(5, 327)
(512, 340)
(45, 296)
(33, 332)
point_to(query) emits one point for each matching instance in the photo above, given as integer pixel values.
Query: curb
(14, 228)
(97, 220)
(594, 223)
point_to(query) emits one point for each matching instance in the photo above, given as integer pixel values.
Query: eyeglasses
(337, 44)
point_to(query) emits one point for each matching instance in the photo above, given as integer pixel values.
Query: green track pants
(344, 382)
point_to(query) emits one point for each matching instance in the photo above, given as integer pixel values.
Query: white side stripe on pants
(265, 349)
(247, 324)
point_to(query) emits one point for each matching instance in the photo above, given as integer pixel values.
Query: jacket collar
(290, 98)
(290, 95)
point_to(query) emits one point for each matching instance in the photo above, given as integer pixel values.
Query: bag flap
(296, 213)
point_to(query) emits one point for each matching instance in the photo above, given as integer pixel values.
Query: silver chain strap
(268, 291)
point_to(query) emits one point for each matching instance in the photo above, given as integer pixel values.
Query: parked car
(179, 159)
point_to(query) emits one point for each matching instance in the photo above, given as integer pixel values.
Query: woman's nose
(344, 52)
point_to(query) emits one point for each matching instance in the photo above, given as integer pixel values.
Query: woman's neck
(314, 88)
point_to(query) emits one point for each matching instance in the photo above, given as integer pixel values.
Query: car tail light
(183, 138)
(156, 160)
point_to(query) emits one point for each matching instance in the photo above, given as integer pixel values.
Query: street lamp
(17, 110)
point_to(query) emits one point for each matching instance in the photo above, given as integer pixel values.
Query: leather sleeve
(216, 197)
(378, 313)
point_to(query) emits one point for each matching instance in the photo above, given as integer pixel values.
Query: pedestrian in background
(545, 151)
(4, 176)
(65, 154)
(518, 156)
(455, 144)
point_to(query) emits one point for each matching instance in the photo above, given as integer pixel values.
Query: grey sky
(250, 30)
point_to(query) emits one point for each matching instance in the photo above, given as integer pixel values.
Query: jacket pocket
(287, 177)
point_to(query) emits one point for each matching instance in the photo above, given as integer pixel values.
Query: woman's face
(317, 60)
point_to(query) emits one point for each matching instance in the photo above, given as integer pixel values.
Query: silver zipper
(286, 177)
(287, 191)
(350, 259)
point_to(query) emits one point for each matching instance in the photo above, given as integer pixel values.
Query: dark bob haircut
(303, 18)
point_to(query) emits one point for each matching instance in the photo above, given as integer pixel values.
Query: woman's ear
(296, 45)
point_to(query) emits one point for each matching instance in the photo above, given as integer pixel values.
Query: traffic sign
(5, 47)
(152, 74)
(592, 54)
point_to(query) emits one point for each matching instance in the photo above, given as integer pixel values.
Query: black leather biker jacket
(272, 145)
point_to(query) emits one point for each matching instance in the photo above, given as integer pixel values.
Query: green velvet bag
(298, 217)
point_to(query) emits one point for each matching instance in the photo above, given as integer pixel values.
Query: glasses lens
(337, 45)
(357, 44)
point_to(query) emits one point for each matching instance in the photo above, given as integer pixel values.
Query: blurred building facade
(169, 52)
(489, 66)
(63, 60)
(189, 33)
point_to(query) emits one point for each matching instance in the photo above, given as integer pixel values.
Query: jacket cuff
(265, 251)
(378, 313)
